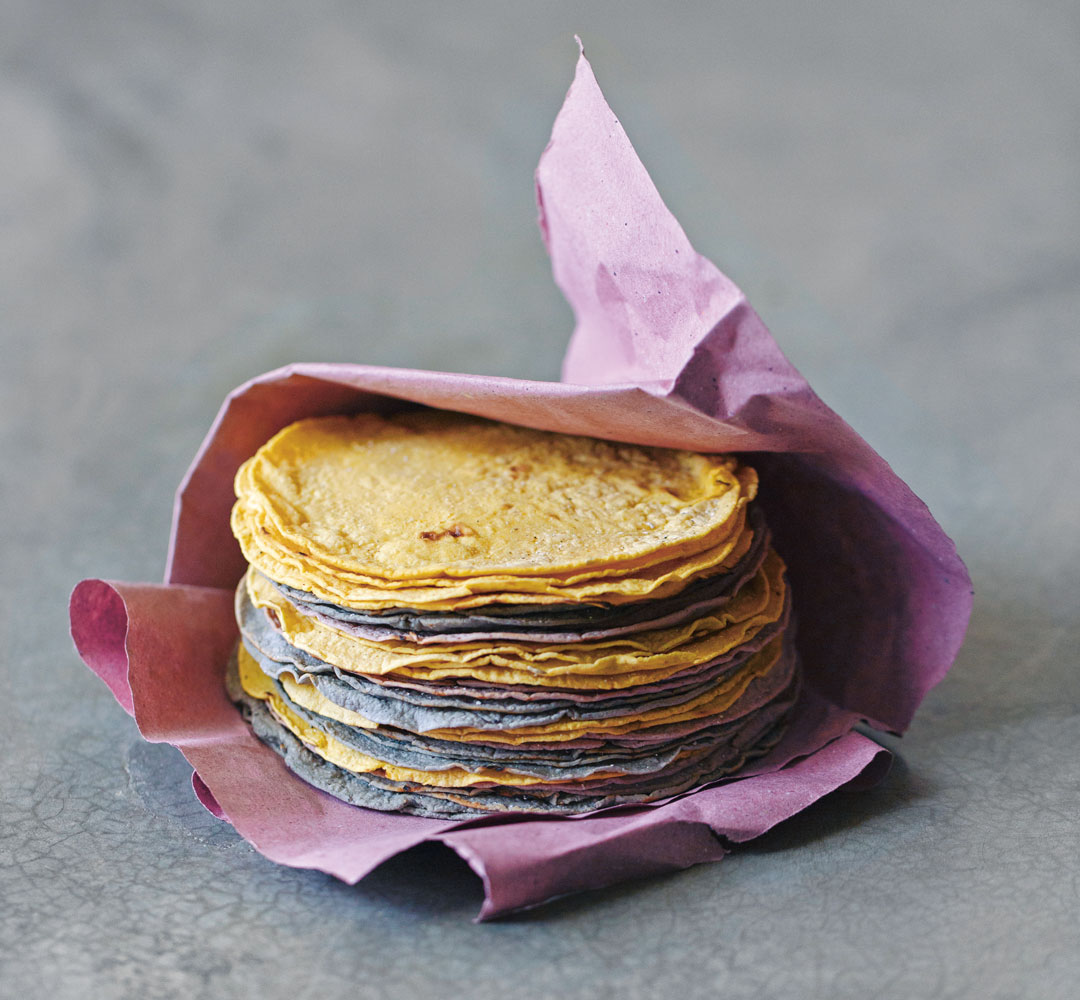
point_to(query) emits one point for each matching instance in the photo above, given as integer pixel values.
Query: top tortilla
(442, 505)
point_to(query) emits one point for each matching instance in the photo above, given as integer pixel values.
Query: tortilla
(430, 496)
(403, 748)
(293, 568)
(621, 662)
(420, 713)
(553, 786)
(713, 700)
(558, 624)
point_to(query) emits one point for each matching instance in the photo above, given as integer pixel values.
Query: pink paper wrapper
(666, 351)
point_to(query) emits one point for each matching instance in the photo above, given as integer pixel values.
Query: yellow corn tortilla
(442, 507)
(641, 658)
(651, 582)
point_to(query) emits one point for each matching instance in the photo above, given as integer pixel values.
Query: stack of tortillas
(450, 616)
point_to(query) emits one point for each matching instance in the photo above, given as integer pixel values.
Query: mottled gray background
(193, 192)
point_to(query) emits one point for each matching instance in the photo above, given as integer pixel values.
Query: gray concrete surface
(191, 193)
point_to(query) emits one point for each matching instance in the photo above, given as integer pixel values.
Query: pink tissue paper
(665, 351)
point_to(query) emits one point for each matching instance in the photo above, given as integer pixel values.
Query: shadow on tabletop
(831, 815)
(845, 809)
(430, 880)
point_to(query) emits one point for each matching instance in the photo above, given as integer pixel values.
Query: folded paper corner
(99, 624)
